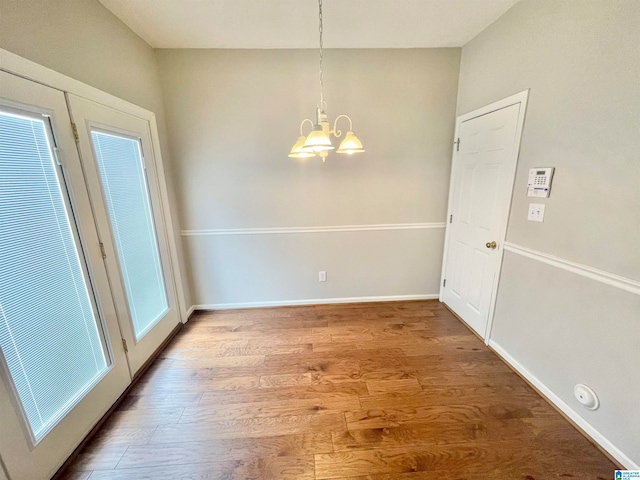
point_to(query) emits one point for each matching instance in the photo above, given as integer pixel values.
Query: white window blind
(49, 335)
(125, 189)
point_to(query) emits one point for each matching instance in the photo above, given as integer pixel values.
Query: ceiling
(294, 23)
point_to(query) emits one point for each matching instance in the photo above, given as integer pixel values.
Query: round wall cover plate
(586, 396)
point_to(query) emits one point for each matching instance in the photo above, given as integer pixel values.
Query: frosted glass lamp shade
(296, 150)
(317, 141)
(351, 144)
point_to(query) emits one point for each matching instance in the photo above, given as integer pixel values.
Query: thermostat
(540, 181)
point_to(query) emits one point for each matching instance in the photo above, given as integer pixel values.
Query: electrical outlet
(536, 212)
(322, 276)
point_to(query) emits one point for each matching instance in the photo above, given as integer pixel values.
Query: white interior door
(481, 187)
(121, 173)
(62, 365)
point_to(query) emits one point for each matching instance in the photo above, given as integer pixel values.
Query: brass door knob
(492, 245)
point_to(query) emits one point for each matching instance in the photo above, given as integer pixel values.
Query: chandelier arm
(303, 122)
(336, 132)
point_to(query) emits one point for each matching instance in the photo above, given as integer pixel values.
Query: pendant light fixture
(318, 141)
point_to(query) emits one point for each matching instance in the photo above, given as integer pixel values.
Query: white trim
(170, 233)
(17, 65)
(492, 107)
(602, 276)
(339, 228)
(584, 425)
(522, 99)
(312, 301)
(190, 311)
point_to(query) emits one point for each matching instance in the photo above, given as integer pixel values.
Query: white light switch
(322, 276)
(536, 212)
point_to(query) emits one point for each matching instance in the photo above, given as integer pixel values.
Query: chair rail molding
(325, 229)
(602, 276)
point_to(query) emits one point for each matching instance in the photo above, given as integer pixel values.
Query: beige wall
(233, 115)
(581, 61)
(83, 40)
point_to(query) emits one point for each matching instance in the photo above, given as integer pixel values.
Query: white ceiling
(294, 23)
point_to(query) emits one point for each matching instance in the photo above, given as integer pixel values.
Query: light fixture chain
(318, 142)
(321, 57)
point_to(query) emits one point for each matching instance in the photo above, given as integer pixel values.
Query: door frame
(89, 116)
(519, 98)
(16, 65)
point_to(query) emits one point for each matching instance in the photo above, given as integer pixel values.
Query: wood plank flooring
(378, 391)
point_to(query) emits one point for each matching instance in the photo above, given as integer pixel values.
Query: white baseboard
(189, 313)
(586, 427)
(311, 301)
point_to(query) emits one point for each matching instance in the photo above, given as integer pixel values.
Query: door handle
(491, 245)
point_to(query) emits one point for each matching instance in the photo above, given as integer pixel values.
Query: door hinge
(444, 282)
(457, 144)
(450, 218)
(102, 251)
(124, 345)
(76, 137)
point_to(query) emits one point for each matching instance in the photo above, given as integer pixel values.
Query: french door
(117, 156)
(87, 292)
(62, 365)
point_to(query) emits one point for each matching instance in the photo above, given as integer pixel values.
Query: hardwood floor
(356, 391)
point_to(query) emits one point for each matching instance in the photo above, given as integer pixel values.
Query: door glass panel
(124, 184)
(49, 337)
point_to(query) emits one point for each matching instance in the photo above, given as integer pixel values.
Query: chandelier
(318, 142)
